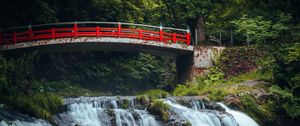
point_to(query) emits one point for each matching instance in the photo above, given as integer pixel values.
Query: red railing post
(188, 37)
(97, 31)
(53, 33)
(174, 38)
(15, 37)
(119, 29)
(29, 33)
(161, 33)
(75, 30)
(140, 34)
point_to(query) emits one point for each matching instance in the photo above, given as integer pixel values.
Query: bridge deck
(15, 36)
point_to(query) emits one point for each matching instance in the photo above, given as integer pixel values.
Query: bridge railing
(22, 34)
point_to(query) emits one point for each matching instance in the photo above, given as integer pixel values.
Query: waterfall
(241, 118)
(104, 111)
(128, 111)
(37, 122)
(200, 117)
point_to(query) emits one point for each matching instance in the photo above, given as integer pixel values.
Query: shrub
(253, 109)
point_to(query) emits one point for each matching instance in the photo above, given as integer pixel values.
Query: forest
(265, 48)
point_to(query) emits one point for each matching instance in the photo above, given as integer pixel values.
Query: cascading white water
(37, 122)
(241, 118)
(110, 111)
(104, 111)
(200, 118)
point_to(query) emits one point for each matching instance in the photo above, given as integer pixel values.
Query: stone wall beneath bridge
(204, 58)
(190, 66)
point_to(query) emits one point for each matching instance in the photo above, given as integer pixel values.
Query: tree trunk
(200, 26)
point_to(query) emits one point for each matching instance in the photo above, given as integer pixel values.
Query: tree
(192, 12)
(258, 30)
(20, 12)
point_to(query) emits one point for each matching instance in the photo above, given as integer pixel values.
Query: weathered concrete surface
(103, 44)
(190, 66)
(204, 58)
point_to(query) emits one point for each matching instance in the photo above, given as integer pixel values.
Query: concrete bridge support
(184, 68)
(191, 65)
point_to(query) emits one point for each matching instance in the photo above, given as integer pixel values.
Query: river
(128, 111)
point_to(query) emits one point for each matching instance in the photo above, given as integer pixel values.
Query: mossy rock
(158, 107)
(187, 123)
(110, 112)
(143, 99)
(125, 104)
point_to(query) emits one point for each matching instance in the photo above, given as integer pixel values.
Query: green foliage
(17, 75)
(275, 89)
(293, 109)
(258, 30)
(183, 90)
(185, 12)
(257, 112)
(63, 88)
(288, 101)
(216, 90)
(118, 73)
(154, 94)
(158, 107)
(215, 74)
(293, 54)
(37, 105)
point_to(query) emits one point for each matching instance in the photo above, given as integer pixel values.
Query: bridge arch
(103, 36)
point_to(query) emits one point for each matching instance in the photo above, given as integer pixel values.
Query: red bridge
(11, 36)
(109, 36)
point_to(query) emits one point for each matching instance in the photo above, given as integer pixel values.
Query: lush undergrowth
(109, 72)
(273, 69)
(35, 83)
(216, 90)
(37, 105)
(64, 89)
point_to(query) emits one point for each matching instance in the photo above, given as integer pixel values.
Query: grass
(218, 89)
(37, 105)
(154, 94)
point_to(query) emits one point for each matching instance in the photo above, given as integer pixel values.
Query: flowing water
(241, 118)
(104, 111)
(201, 117)
(38, 122)
(128, 111)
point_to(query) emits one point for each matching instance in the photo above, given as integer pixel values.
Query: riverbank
(261, 81)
